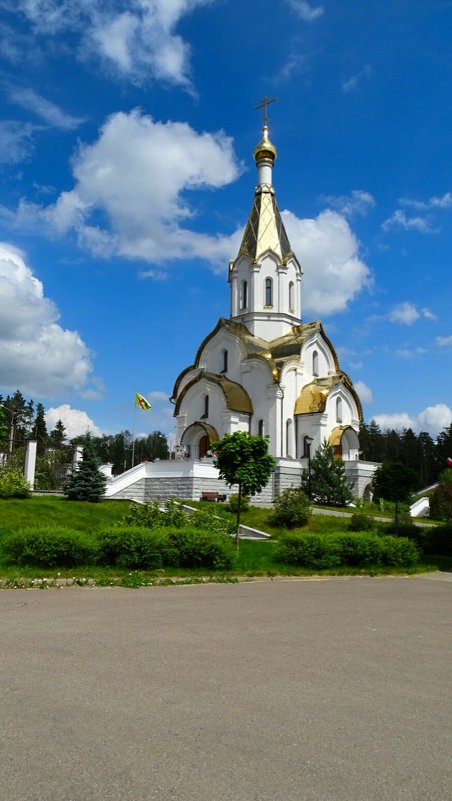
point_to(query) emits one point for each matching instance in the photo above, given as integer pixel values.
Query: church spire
(265, 230)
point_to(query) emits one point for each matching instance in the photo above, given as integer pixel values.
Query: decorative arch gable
(318, 348)
(235, 396)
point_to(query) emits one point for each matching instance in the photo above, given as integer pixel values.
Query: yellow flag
(141, 402)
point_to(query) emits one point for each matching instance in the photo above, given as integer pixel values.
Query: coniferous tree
(57, 436)
(40, 429)
(326, 481)
(394, 481)
(86, 483)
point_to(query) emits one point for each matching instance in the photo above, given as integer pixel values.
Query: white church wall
(317, 358)
(212, 357)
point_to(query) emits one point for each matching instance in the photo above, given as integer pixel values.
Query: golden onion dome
(265, 149)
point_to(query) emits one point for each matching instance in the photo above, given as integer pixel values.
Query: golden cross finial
(265, 102)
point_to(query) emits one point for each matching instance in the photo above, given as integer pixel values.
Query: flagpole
(133, 431)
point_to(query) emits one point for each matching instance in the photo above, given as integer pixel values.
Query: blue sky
(127, 176)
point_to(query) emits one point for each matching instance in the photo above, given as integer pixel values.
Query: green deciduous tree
(327, 481)
(394, 481)
(86, 483)
(243, 459)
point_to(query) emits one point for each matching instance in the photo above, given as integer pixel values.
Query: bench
(212, 496)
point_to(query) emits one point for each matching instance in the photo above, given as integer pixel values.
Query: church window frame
(339, 410)
(268, 293)
(291, 296)
(315, 362)
(206, 408)
(260, 428)
(244, 295)
(225, 356)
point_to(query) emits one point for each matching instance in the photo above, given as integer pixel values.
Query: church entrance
(204, 445)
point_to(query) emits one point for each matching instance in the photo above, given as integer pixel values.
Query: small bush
(48, 546)
(308, 550)
(151, 515)
(441, 501)
(13, 485)
(402, 530)
(208, 520)
(197, 548)
(361, 522)
(135, 547)
(292, 509)
(233, 504)
(319, 552)
(435, 540)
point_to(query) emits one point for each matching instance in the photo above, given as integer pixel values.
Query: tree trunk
(239, 509)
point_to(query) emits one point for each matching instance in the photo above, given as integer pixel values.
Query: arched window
(260, 428)
(291, 306)
(268, 292)
(338, 410)
(206, 407)
(315, 363)
(244, 303)
(225, 361)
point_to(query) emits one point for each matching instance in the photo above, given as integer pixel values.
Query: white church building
(261, 370)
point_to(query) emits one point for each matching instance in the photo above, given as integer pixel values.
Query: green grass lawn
(255, 558)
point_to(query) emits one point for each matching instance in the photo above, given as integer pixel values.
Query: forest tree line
(22, 419)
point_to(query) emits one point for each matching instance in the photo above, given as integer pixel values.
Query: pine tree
(40, 429)
(57, 436)
(325, 480)
(86, 483)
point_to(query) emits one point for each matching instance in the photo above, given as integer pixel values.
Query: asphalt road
(310, 690)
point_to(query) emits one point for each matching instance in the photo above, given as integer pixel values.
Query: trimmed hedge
(133, 547)
(49, 546)
(320, 552)
(432, 540)
(150, 549)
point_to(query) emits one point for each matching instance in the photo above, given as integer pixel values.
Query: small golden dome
(265, 149)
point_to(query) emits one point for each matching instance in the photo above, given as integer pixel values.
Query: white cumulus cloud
(36, 353)
(364, 392)
(357, 202)
(401, 220)
(334, 273)
(444, 342)
(134, 39)
(139, 174)
(75, 421)
(407, 313)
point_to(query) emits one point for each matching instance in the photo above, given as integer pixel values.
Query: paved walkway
(301, 690)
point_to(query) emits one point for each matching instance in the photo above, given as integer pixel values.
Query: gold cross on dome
(265, 102)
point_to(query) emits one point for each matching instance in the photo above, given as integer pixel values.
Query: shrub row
(134, 547)
(320, 551)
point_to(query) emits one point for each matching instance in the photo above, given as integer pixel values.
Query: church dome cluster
(262, 369)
